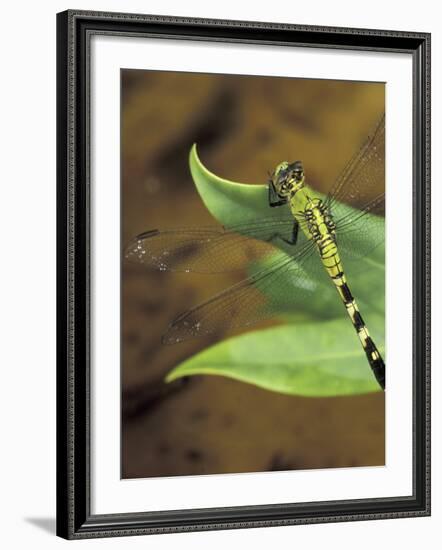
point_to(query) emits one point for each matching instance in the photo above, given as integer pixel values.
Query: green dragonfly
(283, 250)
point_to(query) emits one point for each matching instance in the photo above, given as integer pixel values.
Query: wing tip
(147, 234)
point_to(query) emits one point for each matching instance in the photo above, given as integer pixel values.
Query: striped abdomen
(318, 225)
(333, 266)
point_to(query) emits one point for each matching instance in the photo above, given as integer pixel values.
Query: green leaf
(324, 358)
(315, 359)
(229, 202)
(313, 293)
(234, 203)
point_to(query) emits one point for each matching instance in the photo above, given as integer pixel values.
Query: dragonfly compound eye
(297, 170)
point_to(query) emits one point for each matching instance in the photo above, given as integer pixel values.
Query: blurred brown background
(244, 127)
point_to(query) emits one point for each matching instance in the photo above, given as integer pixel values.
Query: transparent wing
(359, 232)
(209, 249)
(360, 228)
(364, 176)
(260, 296)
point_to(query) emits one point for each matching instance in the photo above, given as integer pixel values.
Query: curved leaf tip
(230, 202)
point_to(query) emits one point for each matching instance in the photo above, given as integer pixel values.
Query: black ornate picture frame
(74, 32)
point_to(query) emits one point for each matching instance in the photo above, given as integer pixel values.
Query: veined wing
(360, 228)
(260, 296)
(359, 232)
(209, 249)
(364, 176)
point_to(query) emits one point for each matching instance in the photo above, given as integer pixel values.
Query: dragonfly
(311, 235)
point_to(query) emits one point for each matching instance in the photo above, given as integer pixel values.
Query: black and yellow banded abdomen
(317, 223)
(374, 357)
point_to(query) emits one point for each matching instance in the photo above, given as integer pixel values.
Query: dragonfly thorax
(288, 178)
(318, 220)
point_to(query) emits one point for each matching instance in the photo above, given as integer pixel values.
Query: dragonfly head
(288, 178)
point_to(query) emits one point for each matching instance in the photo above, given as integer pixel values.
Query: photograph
(219, 335)
(252, 273)
(243, 273)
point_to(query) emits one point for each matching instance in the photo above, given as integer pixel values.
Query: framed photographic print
(243, 274)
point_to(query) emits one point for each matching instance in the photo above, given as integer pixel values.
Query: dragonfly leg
(294, 237)
(274, 198)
